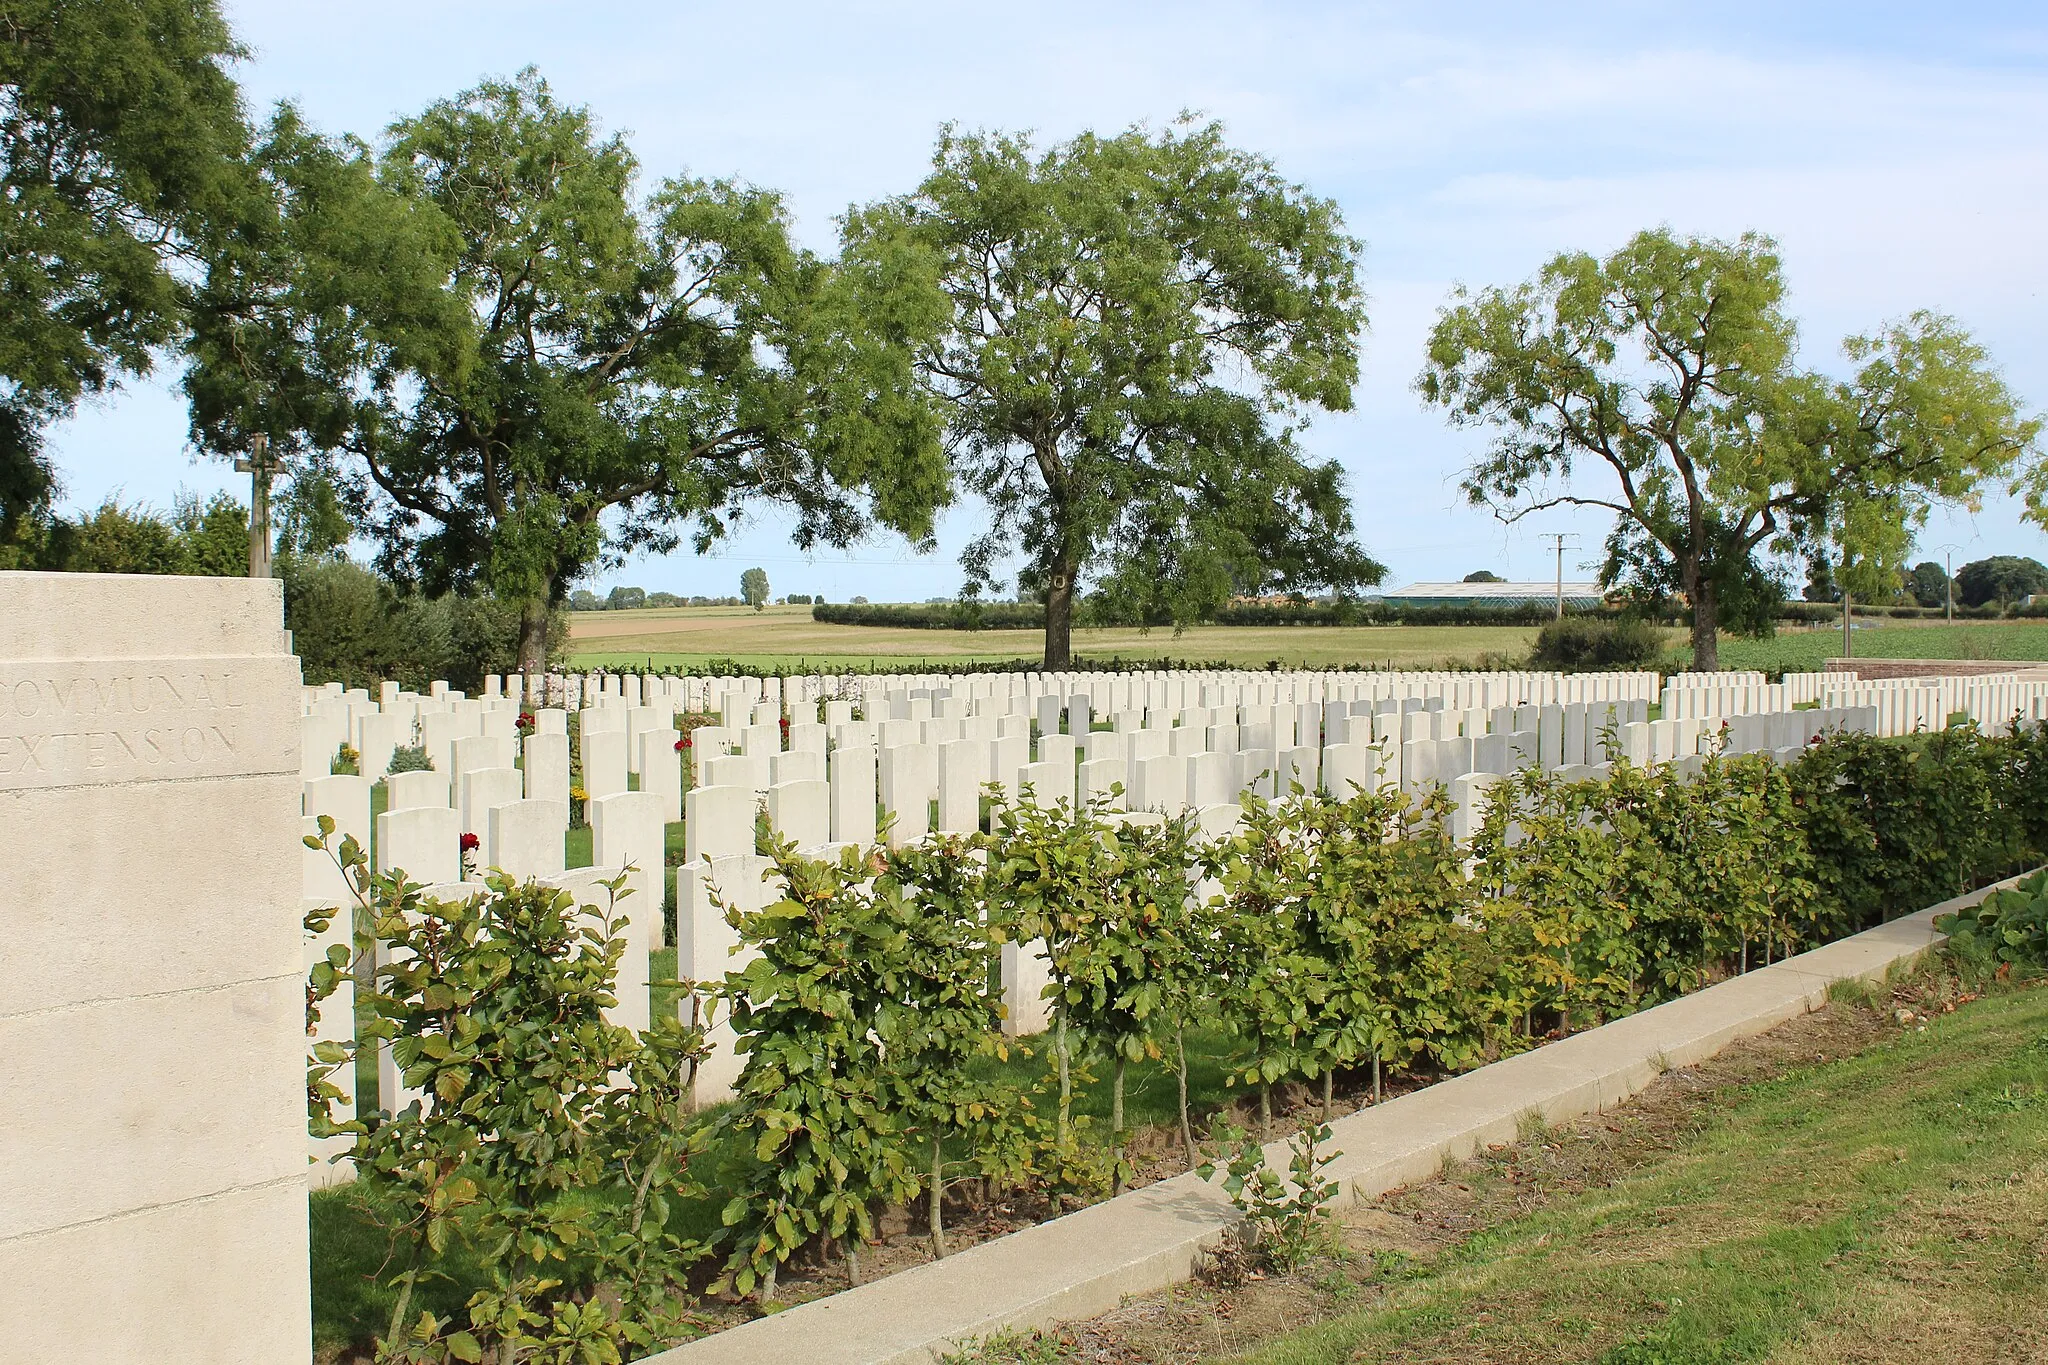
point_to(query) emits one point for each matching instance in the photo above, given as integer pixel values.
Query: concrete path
(1087, 1262)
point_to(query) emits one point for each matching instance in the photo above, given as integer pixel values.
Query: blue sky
(1895, 151)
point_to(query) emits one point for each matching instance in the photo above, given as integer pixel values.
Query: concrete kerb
(1087, 1262)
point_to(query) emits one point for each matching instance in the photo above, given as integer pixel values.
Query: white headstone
(717, 822)
(525, 838)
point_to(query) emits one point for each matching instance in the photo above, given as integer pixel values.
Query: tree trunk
(533, 643)
(1116, 1125)
(937, 1220)
(1066, 1084)
(1706, 639)
(1059, 613)
(1180, 1071)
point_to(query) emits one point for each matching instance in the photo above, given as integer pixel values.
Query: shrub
(493, 1008)
(410, 758)
(2006, 926)
(352, 626)
(1583, 643)
(1344, 933)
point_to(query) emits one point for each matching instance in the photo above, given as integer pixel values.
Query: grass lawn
(691, 637)
(1846, 1188)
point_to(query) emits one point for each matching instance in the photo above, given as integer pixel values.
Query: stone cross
(259, 466)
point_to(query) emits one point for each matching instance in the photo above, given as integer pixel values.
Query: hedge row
(1031, 615)
(1343, 936)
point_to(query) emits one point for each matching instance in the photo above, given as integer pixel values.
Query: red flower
(470, 842)
(682, 743)
(526, 720)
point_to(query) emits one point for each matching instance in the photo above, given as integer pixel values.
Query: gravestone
(421, 841)
(661, 772)
(604, 759)
(800, 811)
(626, 831)
(852, 780)
(717, 821)
(483, 788)
(547, 767)
(152, 1009)
(408, 791)
(525, 838)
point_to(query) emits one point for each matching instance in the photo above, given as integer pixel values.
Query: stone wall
(152, 1054)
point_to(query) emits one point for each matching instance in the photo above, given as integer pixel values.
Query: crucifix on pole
(258, 466)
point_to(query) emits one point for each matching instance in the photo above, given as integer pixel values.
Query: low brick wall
(1929, 668)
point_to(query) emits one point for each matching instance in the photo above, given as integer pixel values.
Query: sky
(1895, 152)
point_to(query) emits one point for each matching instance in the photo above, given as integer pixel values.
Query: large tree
(2002, 579)
(1670, 368)
(1928, 583)
(533, 371)
(1130, 331)
(121, 135)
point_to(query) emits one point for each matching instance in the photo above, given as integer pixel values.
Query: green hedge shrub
(1579, 644)
(352, 626)
(1347, 935)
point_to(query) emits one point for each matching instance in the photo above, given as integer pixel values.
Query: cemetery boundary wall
(1087, 1262)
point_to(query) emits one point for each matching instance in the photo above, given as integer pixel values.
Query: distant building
(1577, 595)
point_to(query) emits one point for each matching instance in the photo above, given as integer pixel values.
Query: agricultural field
(1807, 650)
(689, 637)
(695, 637)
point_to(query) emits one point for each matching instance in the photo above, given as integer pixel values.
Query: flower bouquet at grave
(577, 797)
(525, 724)
(469, 844)
(348, 761)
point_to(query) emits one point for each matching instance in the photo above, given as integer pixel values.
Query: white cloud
(1894, 152)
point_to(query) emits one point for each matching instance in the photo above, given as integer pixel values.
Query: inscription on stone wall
(82, 722)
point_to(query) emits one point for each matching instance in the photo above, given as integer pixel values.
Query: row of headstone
(834, 763)
(1904, 705)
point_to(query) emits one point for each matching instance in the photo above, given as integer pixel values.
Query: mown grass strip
(1902, 1191)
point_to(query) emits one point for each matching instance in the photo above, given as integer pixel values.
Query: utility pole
(1948, 565)
(1848, 648)
(1560, 539)
(258, 467)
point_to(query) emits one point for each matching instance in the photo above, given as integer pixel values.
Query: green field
(1809, 650)
(694, 638)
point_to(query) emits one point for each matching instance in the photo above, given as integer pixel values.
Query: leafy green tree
(536, 370)
(1127, 334)
(117, 539)
(2001, 579)
(310, 518)
(120, 141)
(583, 599)
(1820, 580)
(213, 536)
(626, 599)
(1669, 365)
(1928, 582)
(1484, 576)
(754, 588)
